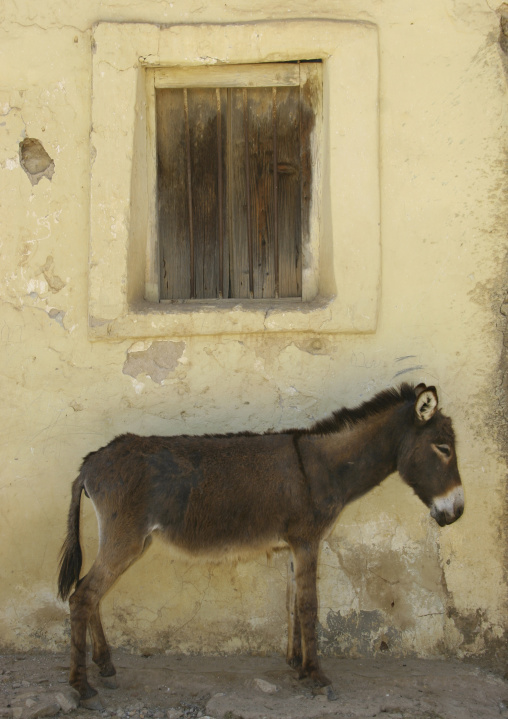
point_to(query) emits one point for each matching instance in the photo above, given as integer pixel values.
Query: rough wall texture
(390, 579)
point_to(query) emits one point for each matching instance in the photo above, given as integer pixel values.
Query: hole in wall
(35, 161)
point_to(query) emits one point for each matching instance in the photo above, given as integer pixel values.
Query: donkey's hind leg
(83, 603)
(84, 607)
(101, 654)
(294, 650)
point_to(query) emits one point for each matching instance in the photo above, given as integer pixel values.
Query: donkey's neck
(343, 465)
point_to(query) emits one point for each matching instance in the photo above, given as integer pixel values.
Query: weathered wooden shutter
(233, 178)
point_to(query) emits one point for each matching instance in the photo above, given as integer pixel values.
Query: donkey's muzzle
(449, 507)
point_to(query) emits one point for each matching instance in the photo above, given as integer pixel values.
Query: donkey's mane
(345, 418)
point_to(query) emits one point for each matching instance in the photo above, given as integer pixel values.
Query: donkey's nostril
(447, 508)
(441, 519)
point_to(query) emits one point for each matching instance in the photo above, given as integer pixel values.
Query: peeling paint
(10, 163)
(97, 322)
(314, 345)
(356, 633)
(57, 315)
(55, 284)
(156, 362)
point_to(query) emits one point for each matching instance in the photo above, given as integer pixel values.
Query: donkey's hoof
(328, 692)
(109, 682)
(93, 703)
(315, 675)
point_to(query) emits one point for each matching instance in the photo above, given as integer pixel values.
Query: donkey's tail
(70, 555)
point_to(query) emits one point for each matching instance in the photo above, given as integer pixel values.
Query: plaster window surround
(340, 255)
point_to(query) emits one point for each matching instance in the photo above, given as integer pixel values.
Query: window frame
(345, 269)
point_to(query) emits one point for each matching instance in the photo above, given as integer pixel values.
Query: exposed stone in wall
(35, 160)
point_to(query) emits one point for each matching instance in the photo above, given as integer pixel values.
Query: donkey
(220, 495)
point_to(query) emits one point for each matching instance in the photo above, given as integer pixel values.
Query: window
(328, 218)
(234, 172)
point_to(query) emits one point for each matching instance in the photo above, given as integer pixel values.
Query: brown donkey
(223, 494)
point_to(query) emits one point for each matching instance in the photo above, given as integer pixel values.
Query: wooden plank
(204, 169)
(152, 267)
(237, 198)
(174, 244)
(275, 154)
(188, 175)
(260, 111)
(220, 189)
(289, 192)
(261, 75)
(246, 130)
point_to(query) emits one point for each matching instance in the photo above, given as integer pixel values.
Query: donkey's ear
(420, 388)
(426, 403)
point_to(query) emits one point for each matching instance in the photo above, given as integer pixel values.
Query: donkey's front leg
(294, 650)
(306, 556)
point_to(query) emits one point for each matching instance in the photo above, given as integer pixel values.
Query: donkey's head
(427, 459)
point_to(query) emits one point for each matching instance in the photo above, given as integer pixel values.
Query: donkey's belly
(220, 551)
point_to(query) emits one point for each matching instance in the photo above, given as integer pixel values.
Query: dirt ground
(174, 687)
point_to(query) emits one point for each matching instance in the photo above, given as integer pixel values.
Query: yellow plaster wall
(388, 573)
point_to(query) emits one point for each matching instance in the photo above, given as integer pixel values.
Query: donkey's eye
(444, 450)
